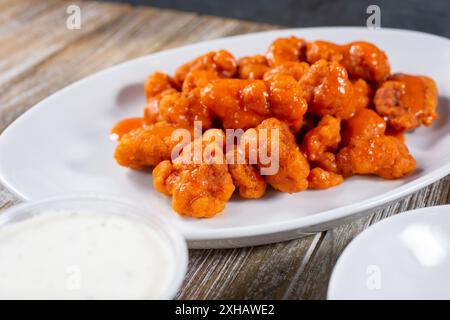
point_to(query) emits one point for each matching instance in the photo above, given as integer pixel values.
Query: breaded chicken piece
(253, 67)
(198, 189)
(246, 177)
(198, 79)
(320, 143)
(319, 178)
(156, 83)
(246, 103)
(286, 170)
(361, 59)
(293, 69)
(179, 108)
(283, 50)
(221, 62)
(362, 94)
(329, 51)
(368, 150)
(382, 155)
(365, 60)
(365, 124)
(225, 98)
(407, 101)
(323, 138)
(328, 90)
(146, 146)
(286, 98)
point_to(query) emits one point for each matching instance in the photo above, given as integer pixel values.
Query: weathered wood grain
(110, 34)
(39, 56)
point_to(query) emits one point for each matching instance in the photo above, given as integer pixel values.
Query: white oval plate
(61, 145)
(403, 257)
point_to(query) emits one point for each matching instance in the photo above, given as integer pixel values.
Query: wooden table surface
(39, 56)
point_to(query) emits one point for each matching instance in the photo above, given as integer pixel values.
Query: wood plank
(125, 35)
(250, 273)
(36, 38)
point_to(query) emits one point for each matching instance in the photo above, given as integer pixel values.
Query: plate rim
(269, 228)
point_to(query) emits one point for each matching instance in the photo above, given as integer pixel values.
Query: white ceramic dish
(403, 257)
(61, 145)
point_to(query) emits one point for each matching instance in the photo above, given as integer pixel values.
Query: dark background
(431, 16)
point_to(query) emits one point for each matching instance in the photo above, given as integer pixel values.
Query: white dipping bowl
(148, 224)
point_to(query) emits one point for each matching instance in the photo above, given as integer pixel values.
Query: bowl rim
(177, 245)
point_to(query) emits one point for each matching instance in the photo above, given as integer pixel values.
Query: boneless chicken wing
(361, 59)
(293, 69)
(253, 67)
(246, 103)
(407, 101)
(198, 189)
(319, 178)
(365, 60)
(365, 124)
(157, 83)
(329, 51)
(226, 98)
(325, 137)
(221, 62)
(179, 108)
(382, 155)
(146, 146)
(362, 94)
(287, 168)
(328, 90)
(245, 176)
(320, 143)
(198, 79)
(286, 50)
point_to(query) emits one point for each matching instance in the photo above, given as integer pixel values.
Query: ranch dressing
(83, 255)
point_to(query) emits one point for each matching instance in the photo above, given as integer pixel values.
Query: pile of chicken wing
(337, 108)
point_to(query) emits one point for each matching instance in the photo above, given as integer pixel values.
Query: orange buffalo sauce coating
(319, 146)
(246, 177)
(286, 50)
(221, 62)
(384, 156)
(327, 90)
(124, 126)
(199, 190)
(225, 98)
(320, 143)
(146, 146)
(329, 51)
(157, 83)
(361, 59)
(319, 178)
(365, 124)
(407, 101)
(179, 108)
(291, 167)
(365, 60)
(243, 104)
(253, 67)
(311, 114)
(294, 69)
